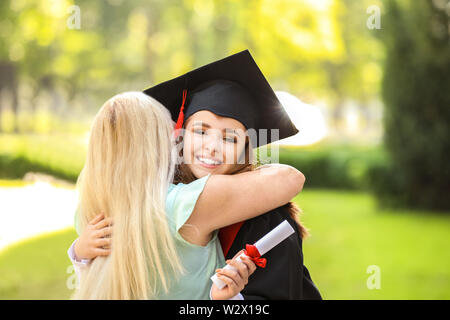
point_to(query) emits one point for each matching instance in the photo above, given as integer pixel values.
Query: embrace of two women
(161, 209)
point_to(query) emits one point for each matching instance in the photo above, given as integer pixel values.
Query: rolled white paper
(265, 244)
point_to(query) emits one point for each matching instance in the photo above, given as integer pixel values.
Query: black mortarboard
(232, 87)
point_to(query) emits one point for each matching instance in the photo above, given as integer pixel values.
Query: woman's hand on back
(95, 240)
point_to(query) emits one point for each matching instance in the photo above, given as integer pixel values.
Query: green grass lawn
(37, 268)
(348, 234)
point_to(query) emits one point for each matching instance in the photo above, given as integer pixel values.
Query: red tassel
(180, 119)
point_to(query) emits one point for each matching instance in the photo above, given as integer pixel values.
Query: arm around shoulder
(227, 199)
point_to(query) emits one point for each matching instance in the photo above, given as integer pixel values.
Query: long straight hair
(184, 175)
(129, 165)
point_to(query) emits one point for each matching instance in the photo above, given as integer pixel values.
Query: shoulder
(182, 192)
(181, 200)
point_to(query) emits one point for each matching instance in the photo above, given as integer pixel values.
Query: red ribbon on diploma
(252, 252)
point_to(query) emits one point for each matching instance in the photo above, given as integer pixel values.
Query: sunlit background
(365, 82)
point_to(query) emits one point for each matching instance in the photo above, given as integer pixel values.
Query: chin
(200, 171)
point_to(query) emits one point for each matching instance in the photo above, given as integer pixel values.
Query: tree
(416, 93)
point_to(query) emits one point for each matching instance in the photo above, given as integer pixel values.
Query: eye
(230, 139)
(199, 131)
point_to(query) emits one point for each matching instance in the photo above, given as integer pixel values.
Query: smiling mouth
(208, 162)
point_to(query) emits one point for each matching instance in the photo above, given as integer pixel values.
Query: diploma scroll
(265, 244)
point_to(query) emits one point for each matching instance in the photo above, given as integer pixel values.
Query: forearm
(228, 199)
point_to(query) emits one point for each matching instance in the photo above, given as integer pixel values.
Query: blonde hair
(130, 163)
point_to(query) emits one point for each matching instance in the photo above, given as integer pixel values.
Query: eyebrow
(204, 124)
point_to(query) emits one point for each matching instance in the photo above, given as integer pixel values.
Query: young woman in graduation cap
(215, 109)
(219, 102)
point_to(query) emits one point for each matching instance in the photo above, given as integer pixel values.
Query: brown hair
(184, 175)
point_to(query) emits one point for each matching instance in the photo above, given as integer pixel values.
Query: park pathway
(31, 210)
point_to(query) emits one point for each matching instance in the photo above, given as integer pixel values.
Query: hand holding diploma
(262, 246)
(235, 278)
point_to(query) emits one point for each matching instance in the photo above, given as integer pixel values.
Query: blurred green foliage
(416, 93)
(343, 166)
(59, 155)
(321, 51)
(317, 50)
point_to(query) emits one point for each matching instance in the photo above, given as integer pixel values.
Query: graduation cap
(232, 87)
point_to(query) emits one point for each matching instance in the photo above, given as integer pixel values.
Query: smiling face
(212, 144)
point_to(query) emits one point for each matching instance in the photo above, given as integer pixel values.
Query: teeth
(208, 161)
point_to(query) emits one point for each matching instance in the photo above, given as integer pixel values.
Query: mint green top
(199, 262)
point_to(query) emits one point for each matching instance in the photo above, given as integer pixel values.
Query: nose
(212, 143)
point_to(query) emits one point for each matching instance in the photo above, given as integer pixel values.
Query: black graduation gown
(284, 277)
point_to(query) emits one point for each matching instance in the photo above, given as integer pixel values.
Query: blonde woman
(134, 173)
(128, 173)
